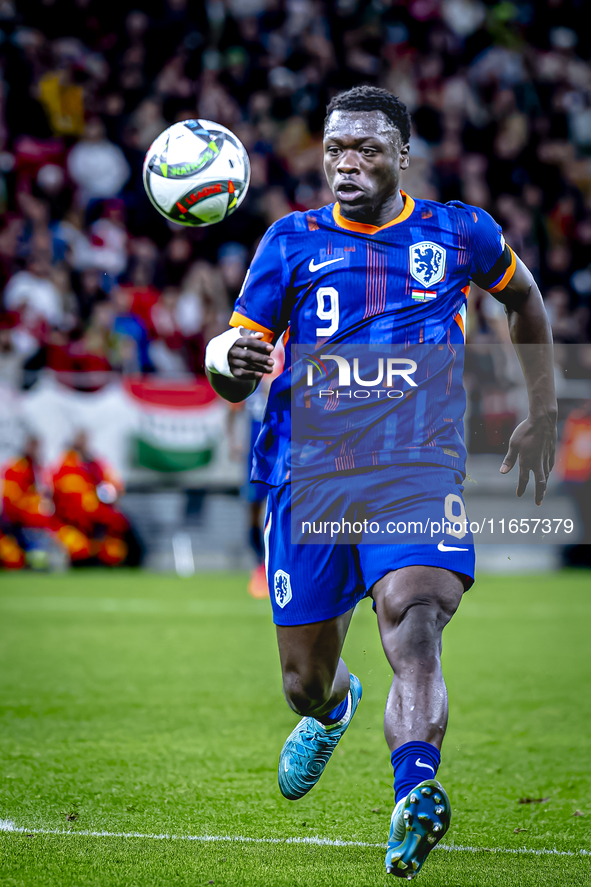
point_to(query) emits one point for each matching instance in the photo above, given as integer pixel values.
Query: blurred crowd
(94, 280)
(56, 515)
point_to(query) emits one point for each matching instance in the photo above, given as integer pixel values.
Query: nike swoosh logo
(442, 547)
(426, 766)
(313, 267)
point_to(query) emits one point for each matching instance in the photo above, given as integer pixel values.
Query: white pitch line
(6, 825)
(532, 851)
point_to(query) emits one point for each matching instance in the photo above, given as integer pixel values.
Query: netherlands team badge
(427, 262)
(282, 587)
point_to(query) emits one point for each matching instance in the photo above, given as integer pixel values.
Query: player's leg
(318, 685)
(417, 584)
(413, 605)
(313, 590)
(315, 678)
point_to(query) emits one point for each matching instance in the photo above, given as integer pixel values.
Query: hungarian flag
(180, 423)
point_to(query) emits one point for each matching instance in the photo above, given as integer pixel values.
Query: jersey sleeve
(258, 306)
(493, 261)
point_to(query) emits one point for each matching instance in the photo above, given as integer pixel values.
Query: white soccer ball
(196, 173)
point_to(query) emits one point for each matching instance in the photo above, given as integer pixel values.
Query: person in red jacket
(12, 556)
(84, 493)
(28, 515)
(23, 502)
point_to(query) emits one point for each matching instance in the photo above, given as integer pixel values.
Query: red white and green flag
(179, 423)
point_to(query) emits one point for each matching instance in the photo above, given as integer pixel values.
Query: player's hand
(534, 442)
(249, 358)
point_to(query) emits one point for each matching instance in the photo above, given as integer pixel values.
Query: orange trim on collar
(362, 228)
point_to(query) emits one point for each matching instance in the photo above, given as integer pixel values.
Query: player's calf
(318, 685)
(310, 745)
(413, 606)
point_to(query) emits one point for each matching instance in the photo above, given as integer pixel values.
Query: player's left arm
(534, 440)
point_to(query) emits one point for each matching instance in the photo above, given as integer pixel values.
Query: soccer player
(377, 267)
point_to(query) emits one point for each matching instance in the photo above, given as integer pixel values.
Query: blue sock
(413, 762)
(337, 713)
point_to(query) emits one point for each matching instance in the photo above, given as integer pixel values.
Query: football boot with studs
(418, 823)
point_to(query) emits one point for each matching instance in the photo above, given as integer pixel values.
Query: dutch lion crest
(282, 587)
(427, 262)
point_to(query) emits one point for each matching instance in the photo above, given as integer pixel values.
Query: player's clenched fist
(249, 358)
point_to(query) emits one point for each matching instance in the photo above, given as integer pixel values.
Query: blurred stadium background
(105, 308)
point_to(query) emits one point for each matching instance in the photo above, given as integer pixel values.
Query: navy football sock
(413, 762)
(338, 713)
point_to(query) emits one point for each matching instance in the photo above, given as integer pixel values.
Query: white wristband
(216, 353)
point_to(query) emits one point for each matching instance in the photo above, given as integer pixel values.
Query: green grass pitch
(132, 702)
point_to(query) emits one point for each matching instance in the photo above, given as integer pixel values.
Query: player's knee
(420, 600)
(416, 614)
(306, 694)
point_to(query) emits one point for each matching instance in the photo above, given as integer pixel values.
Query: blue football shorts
(253, 492)
(325, 538)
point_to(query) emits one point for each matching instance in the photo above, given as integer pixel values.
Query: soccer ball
(196, 173)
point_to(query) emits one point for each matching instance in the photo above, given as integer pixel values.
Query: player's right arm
(237, 360)
(248, 358)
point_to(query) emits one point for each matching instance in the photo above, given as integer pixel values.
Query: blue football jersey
(324, 283)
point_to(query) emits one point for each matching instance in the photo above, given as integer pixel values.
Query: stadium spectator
(167, 352)
(130, 332)
(30, 531)
(500, 119)
(232, 259)
(88, 291)
(84, 493)
(12, 557)
(25, 501)
(33, 293)
(63, 98)
(10, 359)
(108, 241)
(96, 165)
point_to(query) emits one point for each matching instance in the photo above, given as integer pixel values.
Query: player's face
(363, 157)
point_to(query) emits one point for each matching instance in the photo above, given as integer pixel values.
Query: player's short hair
(371, 98)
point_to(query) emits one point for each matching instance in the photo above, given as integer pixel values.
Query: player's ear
(404, 156)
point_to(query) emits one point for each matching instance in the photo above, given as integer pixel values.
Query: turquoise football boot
(419, 822)
(308, 748)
